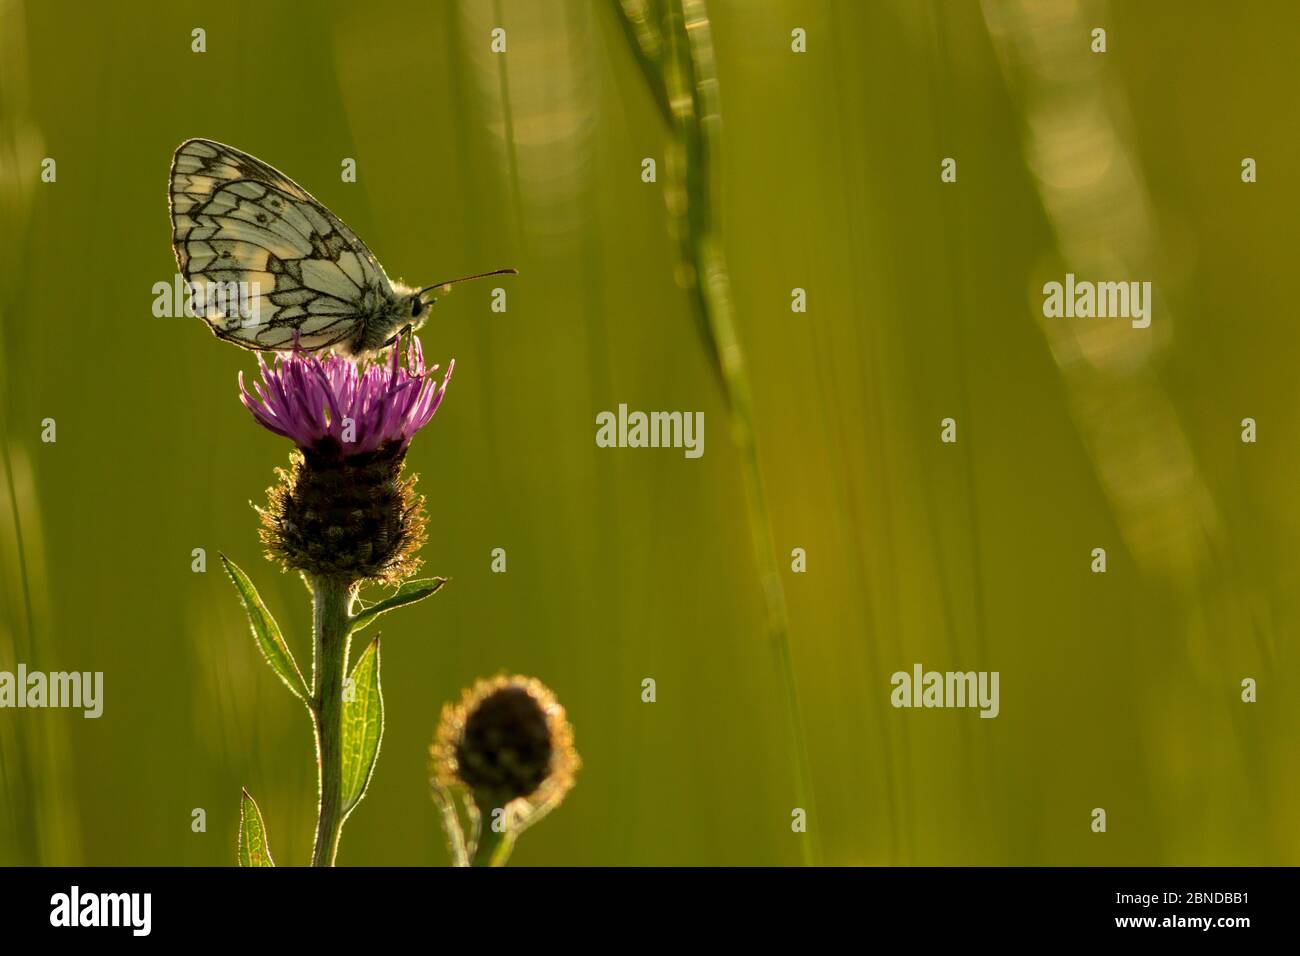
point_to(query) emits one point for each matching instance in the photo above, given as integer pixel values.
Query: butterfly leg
(405, 330)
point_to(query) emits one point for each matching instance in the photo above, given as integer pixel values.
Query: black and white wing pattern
(303, 278)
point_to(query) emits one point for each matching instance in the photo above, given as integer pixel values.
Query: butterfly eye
(416, 308)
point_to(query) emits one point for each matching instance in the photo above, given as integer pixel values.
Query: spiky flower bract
(508, 742)
(354, 517)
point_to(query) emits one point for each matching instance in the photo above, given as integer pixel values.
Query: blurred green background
(1118, 690)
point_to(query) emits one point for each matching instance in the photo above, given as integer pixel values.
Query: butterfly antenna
(481, 275)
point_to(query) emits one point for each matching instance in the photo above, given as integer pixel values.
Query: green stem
(676, 50)
(644, 36)
(493, 848)
(332, 600)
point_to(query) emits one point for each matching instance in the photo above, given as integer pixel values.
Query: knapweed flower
(508, 742)
(342, 509)
(332, 405)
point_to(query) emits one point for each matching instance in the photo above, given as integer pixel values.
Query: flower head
(342, 509)
(337, 405)
(508, 742)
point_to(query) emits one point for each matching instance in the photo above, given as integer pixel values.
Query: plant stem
(493, 848)
(676, 51)
(332, 600)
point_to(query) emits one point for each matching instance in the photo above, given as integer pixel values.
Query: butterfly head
(416, 307)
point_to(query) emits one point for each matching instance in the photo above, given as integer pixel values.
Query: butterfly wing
(306, 280)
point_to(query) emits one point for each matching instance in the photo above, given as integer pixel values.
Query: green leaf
(253, 848)
(408, 593)
(363, 726)
(267, 632)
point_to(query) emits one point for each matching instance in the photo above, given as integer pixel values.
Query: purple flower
(311, 400)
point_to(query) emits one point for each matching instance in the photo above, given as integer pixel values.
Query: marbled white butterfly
(310, 282)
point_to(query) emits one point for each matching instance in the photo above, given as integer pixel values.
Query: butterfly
(290, 274)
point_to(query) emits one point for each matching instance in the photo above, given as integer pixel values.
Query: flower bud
(507, 740)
